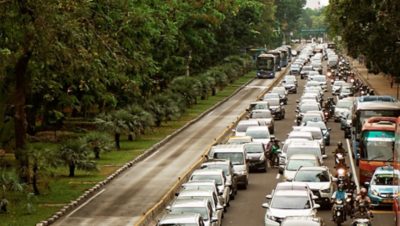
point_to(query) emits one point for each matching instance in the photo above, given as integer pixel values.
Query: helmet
(339, 144)
(363, 192)
(340, 187)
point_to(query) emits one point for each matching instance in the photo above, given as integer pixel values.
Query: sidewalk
(381, 83)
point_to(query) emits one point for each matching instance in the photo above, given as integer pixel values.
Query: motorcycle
(298, 119)
(339, 213)
(362, 217)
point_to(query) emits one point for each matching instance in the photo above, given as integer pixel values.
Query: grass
(59, 189)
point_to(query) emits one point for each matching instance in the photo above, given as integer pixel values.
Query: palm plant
(163, 108)
(75, 153)
(188, 87)
(141, 120)
(42, 159)
(98, 142)
(9, 182)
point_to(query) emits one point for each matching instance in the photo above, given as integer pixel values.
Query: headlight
(328, 190)
(374, 192)
(271, 217)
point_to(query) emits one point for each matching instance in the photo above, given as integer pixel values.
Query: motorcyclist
(362, 200)
(274, 157)
(339, 194)
(340, 149)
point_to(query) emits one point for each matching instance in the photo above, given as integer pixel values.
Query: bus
(376, 145)
(278, 60)
(396, 166)
(285, 56)
(364, 109)
(266, 65)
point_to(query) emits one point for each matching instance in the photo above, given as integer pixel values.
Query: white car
(297, 161)
(194, 219)
(289, 202)
(342, 108)
(202, 207)
(320, 181)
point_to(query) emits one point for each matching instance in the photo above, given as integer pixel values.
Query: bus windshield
(378, 145)
(265, 63)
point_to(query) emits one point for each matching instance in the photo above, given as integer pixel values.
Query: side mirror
(214, 219)
(168, 208)
(268, 196)
(265, 205)
(280, 170)
(219, 207)
(316, 206)
(324, 156)
(366, 184)
(297, 101)
(329, 129)
(314, 197)
(334, 179)
(176, 193)
(228, 184)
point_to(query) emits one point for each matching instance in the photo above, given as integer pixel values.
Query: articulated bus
(396, 165)
(363, 110)
(266, 65)
(376, 145)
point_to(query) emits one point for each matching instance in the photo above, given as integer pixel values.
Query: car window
(200, 177)
(312, 176)
(290, 202)
(261, 114)
(254, 148)
(258, 134)
(295, 164)
(235, 158)
(384, 179)
(201, 210)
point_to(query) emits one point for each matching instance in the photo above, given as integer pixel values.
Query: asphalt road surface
(123, 201)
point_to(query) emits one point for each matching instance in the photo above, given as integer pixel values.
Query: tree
(98, 142)
(117, 122)
(8, 182)
(75, 154)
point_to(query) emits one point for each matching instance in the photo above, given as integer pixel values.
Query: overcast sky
(313, 4)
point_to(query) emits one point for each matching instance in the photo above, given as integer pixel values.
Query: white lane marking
(86, 202)
(350, 152)
(278, 176)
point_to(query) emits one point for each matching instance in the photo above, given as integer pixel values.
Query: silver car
(193, 219)
(202, 207)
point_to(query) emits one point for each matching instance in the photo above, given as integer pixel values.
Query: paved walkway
(381, 83)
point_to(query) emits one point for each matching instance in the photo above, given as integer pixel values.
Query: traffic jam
(359, 178)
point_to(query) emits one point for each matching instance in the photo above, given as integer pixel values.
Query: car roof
(189, 202)
(207, 171)
(195, 193)
(293, 185)
(386, 169)
(316, 168)
(299, 133)
(303, 156)
(304, 143)
(180, 218)
(257, 128)
(291, 193)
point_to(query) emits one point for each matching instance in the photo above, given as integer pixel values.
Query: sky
(313, 4)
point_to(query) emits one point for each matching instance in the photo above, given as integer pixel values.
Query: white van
(237, 155)
(242, 126)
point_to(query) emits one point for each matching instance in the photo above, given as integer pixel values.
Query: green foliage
(98, 142)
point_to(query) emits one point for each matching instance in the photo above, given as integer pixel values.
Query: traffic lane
(246, 208)
(143, 185)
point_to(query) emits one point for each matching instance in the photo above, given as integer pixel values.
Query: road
(246, 208)
(123, 201)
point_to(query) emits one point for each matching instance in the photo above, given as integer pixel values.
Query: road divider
(353, 168)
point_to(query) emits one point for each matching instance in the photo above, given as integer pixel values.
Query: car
(277, 109)
(290, 85)
(206, 185)
(302, 147)
(219, 177)
(193, 219)
(242, 125)
(303, 221)
(282, 93)
(312, 116)
(202, 207)
(296, 161)
(258, 105)
(342, 107)
(270, 95)
(322, 81)
(304, 108)
(320, 181)
(345, 92)
(383, 186)
(238, 156)
(288, 78)
(325, 131)
(239, 140)
(337, 85)
(286, 203)
(227, 167)
(257, 156)
(295, 69)
(265, 117)
(316, 133)
(259, 134)
(211, 196)
(305, 70)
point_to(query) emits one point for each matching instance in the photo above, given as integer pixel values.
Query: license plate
(388, 201)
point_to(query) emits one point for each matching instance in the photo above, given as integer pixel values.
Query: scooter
(339, 212)
(362, 218)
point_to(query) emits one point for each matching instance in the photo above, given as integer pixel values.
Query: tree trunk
(71, 169)
(117, 136)
(96, 151)
(35, 178)
(21, 81)
(130, 137)
(214, 91)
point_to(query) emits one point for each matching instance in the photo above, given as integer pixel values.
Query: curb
(92, 191)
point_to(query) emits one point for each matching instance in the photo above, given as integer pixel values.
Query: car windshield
(236, 158)
(254, 148)
(242, 127)
(338, 83)
(224, 167)
(319, 124)
(290, 202)
(258, 134)
(385, 179)
(273, 102)
(312, 176)
(319, 79)
(271, 95)
(344, 104)
(261, 106)
(313, 118)
(261, 114)
(308, 107)
(201, 210)
(295, 164)
(200, 177)
(379, 145)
